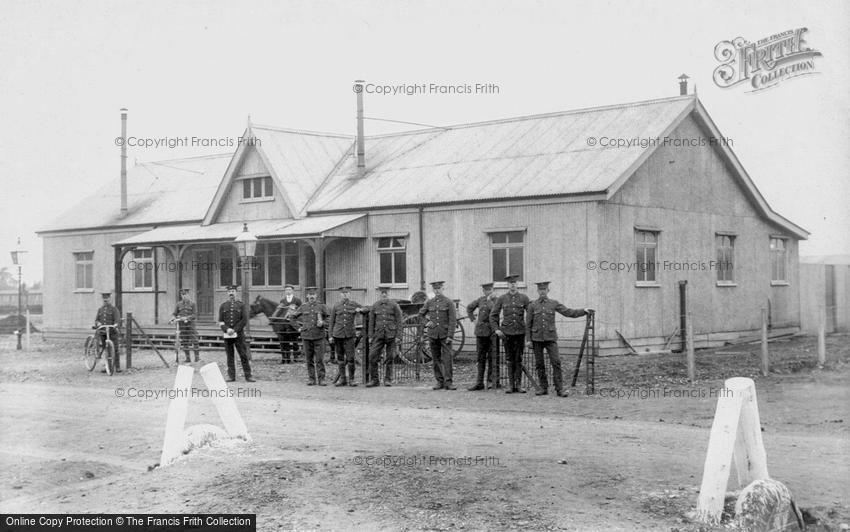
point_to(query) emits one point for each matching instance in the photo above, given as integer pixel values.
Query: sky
(199, 69)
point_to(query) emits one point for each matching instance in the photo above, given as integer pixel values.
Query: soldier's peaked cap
(232, 287)
(104, 295)
(543, 284)
(438, 284)
(383, 289)
(289, 286)
(487, 285)
(184, 290)
(511, 278)
(311, 289)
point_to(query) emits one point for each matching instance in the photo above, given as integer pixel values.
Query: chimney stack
(361, 142)
(123, 162)
(683, 85)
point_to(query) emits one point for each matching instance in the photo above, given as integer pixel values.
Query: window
(84, 268)
(507, 250)
(392, 258)
(257, 188)
(228, 266)
(778, 260)
(725, 258)
(275, 264)
(142, 267)
(646, 251)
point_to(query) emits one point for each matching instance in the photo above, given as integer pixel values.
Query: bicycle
(93, 350)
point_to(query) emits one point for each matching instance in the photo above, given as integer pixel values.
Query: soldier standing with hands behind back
(442, 319)
(184, 314)
(310, 321)
(342, 335)
(385, 319)
(541, 333)
(485, 340)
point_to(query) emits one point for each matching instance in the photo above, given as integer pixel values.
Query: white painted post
(692, 370)
(822, 337)
(28, 329)
(172, 444)
(736, 418)
(223, 402)
(764, 356)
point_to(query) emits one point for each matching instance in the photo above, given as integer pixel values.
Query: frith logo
(766, 62)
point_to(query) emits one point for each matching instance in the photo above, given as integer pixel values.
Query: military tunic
(311, 320)
(385, 318)
(109, 315)
(512, 309)
(342, 331)
(542, 332)
(232, 315)
(185, 314)
(442, 319)
(485, 340)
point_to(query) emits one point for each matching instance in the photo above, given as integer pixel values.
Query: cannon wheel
(414, 342)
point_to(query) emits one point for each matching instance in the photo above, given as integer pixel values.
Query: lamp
(246, 245)
(18, 260)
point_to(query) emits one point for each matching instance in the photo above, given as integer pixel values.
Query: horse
(287, 336)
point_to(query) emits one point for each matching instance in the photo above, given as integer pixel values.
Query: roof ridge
(193, 157)
(301, 131)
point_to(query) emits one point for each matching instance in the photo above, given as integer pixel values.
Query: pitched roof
(170, 191)
(542, 155)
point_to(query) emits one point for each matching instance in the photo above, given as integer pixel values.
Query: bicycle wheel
(410, 343)
(90, 353)
(109, 357)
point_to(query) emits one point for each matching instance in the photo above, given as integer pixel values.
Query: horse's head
(257, 307)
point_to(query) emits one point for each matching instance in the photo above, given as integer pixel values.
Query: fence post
(365, 370)
(129, 340)
(690, 343)
(765, 368)
(822, 337)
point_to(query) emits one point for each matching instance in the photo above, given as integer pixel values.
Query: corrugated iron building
(549, 197)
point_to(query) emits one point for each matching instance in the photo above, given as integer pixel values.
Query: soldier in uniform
(485, 340)
(512, 307)
(185, 314)
(541, 334)
(108, 314)
(286, 334)
(385, 319)
(310, 321)
(342, 335)
(232, 318)
(440, 327)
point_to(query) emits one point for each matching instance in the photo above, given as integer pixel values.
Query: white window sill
(84, 291)
(256, 200)
(725, 284)
(503, 284)
(644, 284)
(780, 283)
(393, 286)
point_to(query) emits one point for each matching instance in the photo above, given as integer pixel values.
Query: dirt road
(400, 458)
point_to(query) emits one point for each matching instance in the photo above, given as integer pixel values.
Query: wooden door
(205, 283)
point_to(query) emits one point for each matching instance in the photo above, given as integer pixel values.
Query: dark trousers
(288, 338)
(314, 352)
(376, 349)
(116, 342)
(514, 346)
(487, 359)
(239, 344)
(189, 340)
(441, 355)
(551, 347)
(344, 349)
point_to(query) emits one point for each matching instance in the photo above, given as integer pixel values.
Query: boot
(197, 356)
(188, 358)
(372, 384)
(340, 379)
(351, 381)
(476, 387)
(388, 375)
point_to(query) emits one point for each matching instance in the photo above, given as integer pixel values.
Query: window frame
(507, 246)
(392, 251)
(253, 183)
(655, 282)
(774, 253)
(88, 270)
(144, 271)
(725, 254)
(265, 266)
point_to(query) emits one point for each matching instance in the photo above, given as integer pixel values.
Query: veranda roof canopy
(343, 225)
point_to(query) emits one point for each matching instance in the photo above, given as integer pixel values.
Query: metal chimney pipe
(361, 142)
(124, 162)
(683, 85)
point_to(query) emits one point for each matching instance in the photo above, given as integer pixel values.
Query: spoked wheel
(458, 338)
(109, 357)
(90, 353)
(412, 347)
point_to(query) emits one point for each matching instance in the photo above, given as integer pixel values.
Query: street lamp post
(246, 245)
(18, 260)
